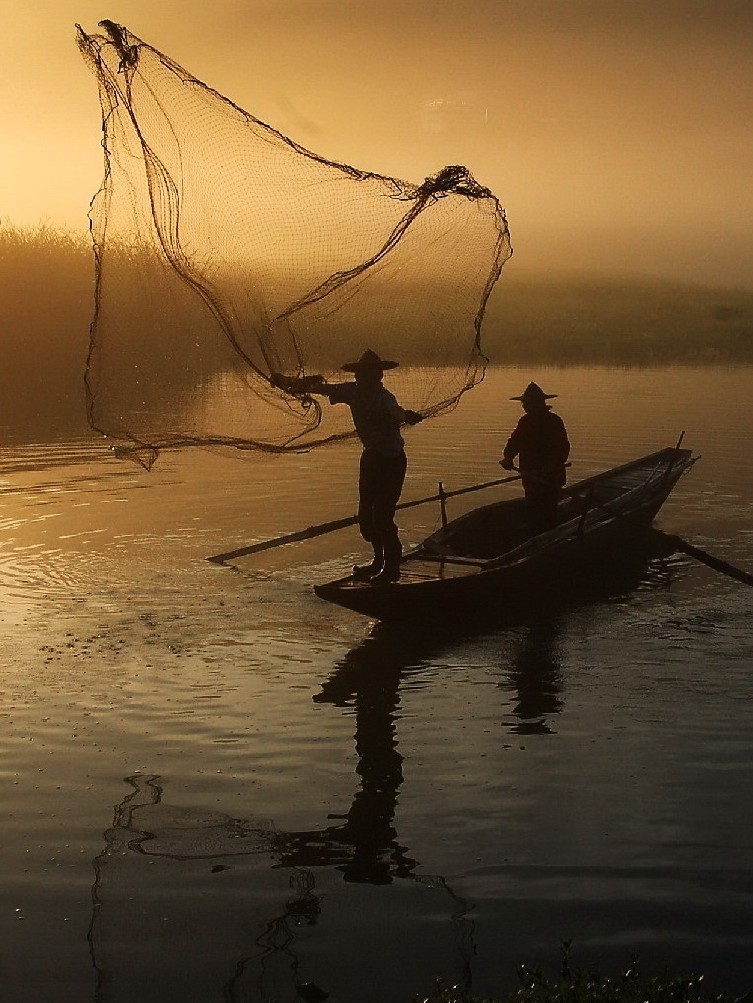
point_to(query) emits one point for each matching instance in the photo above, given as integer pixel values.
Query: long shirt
(377, 416)
(541, 443)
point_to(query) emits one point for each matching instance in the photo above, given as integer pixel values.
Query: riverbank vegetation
(47, 294)
(579, 320)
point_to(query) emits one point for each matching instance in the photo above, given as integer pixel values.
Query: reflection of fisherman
(536, 674)
(377, 417)
(540, 441)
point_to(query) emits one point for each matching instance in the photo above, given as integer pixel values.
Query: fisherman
(377, 417)
(541, 443)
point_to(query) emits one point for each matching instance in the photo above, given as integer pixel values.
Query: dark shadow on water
(362, 843)
(535, 675)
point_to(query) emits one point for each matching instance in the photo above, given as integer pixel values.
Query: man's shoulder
(387, 395)
(540, 420)
(341, 393)
(376, 396)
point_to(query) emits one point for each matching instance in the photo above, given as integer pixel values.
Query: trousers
(541, 504)
(380, 482)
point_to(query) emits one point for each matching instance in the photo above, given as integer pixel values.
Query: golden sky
(617, 133)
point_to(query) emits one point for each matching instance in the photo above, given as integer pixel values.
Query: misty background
(47, 290)
(617, 137)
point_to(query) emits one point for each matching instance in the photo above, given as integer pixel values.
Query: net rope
(225, 252)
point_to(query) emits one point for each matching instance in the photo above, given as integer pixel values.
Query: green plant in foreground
(590, 987)
(585, 986)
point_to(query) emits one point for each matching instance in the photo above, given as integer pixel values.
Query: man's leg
(365, 572)
(541, 506)
(392, 478)
(368, 489)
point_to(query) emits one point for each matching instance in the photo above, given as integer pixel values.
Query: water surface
(216, 786)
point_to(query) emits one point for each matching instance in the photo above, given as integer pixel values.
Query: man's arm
(299, 384)
(398, 414)
(412, 417)
(511, 450)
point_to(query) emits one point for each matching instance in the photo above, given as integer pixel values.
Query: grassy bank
(575, 320)
(46, 295)
(46, 302)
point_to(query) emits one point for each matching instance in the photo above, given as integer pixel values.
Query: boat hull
(444, 582)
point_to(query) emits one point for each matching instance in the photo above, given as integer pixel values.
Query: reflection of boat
(487, 558)
(191, 902)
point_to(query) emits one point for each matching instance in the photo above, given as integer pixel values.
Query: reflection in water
(536, 675)
(362, 844)
(368, 678)
(274, 962)
(66, 464)
(145, 824)
(536, 670)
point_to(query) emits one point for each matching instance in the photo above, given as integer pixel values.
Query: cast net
(225, 252)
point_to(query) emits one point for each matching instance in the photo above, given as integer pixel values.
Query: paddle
(677, 542)
(705, 558)
(329, 527)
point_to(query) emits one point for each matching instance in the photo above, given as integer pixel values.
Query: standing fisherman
(540, 441)
(377, 417)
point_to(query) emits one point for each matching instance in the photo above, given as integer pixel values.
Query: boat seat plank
(437, 556)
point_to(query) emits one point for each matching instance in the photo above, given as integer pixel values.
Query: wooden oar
(705, 558)
(677, 542)
(329, 527)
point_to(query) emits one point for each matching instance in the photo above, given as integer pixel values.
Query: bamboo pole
(334, 524)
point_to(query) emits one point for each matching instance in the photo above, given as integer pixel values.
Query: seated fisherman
(377, 418)
(541, 443)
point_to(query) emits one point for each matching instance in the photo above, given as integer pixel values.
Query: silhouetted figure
(377, 417)
(541, 443)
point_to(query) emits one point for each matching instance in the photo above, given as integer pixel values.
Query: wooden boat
(488, 560)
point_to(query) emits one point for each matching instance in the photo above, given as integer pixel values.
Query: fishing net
(225, 252)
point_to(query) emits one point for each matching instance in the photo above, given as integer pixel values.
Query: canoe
(487, 560)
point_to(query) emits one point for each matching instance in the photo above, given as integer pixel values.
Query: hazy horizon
(616, 136)
(533, 321)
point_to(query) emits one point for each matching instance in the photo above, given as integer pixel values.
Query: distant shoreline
(47, 278)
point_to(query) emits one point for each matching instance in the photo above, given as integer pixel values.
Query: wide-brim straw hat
(369, 360)
(533, 392)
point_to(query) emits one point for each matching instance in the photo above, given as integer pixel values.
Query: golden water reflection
(456, 803)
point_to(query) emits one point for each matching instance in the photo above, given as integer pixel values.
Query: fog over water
(532, 318)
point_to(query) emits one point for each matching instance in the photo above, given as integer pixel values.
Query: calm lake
(217, 787)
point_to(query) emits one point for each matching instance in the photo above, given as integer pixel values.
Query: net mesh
(226, 252)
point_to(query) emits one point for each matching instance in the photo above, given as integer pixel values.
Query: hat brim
(532, 397)
(354, 367)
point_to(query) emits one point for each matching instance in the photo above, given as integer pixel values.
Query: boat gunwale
(679, 462)
(597, 514)
(568, 492)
